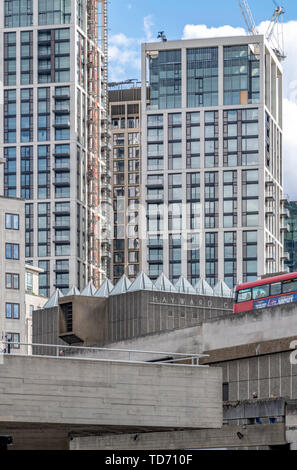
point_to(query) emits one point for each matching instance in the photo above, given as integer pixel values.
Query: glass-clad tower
(53, 134)
(212, 160)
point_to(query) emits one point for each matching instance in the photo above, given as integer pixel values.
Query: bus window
(261, 292)
(244, 295)
(276, 288)
(290, 286)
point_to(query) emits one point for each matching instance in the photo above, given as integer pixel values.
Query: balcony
(285, 214)
(62, 125)
(270, 196)
(285, 228)
(269, 211)
(286, 256)
(285, 198)
(270, 258)
(270, 244)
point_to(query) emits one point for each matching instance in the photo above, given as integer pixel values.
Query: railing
(93, 354)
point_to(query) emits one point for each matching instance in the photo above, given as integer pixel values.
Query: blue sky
(132, 22)
(126, 16)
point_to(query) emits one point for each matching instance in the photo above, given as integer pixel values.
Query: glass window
(12, 281)
(12, 311)
(244, 295)
(12, 251)
(289, 286)
(260, 292)
(11, 221)
(276, 288)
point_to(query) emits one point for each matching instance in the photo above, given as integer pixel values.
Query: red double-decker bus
(270, 292)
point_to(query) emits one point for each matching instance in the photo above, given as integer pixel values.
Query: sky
(132, 22)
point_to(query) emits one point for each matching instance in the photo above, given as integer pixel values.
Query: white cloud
(147, 25)
(289, 87)
(123, 54)
(201, 31)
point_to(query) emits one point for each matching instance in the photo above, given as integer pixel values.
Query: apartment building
(124, 110)
(12, 262)
(212, 160)
(54, 134)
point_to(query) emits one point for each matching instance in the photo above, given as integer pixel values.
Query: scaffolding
(105, 147)
(98, 143)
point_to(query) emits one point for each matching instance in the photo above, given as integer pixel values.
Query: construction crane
(248, 17)
(275, 31)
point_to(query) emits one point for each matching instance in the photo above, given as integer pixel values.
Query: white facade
(212, 160)
(12, 261)
(33, 301)
(54, 80)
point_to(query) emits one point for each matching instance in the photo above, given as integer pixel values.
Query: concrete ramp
(75, 396)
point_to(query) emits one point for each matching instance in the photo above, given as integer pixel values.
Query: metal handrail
(176, 357)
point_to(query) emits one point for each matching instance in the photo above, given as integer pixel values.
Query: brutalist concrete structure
(127, 311)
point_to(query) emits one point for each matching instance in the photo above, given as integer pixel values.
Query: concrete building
(124, 110)
(212, 159)
(54, 134)
(45, 402)
(12, 261)
(127, 310)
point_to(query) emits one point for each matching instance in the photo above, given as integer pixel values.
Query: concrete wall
(227, 437)
(250, 327)
(130, 315)
(89, 318)
(105, 393)
(227, 331)
(144, 312)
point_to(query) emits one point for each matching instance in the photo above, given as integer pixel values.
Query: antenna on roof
(161, 35)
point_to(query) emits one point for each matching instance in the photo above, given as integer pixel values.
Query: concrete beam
(226, 437)
(109, 393)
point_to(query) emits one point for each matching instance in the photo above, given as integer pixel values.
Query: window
(289, 286)
(12, 222)
(261, 292)
(244, 295)
(29, 283)
(12, 281)
(12, 251)
(54, 12)
(225, 391)
(18, 13)
(241, 75)
(202, 77)
(12, 311)
(276, 289)
(13, 339)
(10, 59)
(165, 80)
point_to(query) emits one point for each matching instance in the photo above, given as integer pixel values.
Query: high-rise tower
(212, 159)
(54, 134)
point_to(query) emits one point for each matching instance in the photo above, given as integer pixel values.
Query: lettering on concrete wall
(185, 302)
